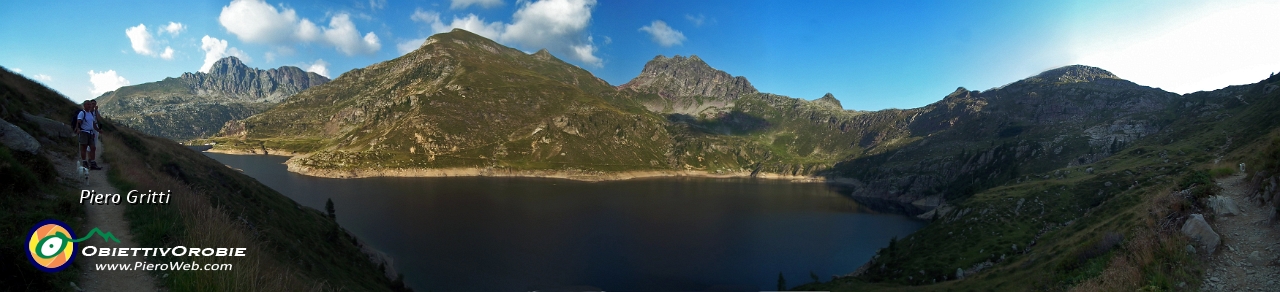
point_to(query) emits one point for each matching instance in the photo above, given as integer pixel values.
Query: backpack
(75, 118)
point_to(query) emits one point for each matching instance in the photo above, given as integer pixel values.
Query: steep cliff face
(198, 104)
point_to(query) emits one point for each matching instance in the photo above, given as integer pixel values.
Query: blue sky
(870, 54)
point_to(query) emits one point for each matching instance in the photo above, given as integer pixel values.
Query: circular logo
(49, 245)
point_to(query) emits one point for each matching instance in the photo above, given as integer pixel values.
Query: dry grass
(209, 226)
(1153, 257)
(1124, 271)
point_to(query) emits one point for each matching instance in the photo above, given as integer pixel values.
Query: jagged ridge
(229, 77)
(198, 104)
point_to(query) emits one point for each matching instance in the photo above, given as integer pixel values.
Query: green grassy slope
(30, 188)
(463, 101)
(1068, 228)
(290, 247)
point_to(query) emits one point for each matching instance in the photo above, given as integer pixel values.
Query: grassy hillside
(465, 101)
(290, 247)
(30, 188)
(1110, 225)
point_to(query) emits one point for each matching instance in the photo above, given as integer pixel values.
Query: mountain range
(1032, 185)
(1070, 179)
(461, 101)
(197, 105)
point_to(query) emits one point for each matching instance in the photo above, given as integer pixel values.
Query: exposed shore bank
(578, 175)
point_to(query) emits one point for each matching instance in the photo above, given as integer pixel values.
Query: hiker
(87, 122)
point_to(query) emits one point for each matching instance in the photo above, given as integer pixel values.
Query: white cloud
(471, 23)
(408, 46)
(17, 70)
(586, 53)
(140, 39)
(462, 4)
(42, 77)
(663, 35)
(145, 44)
(1207, 48)
(560, 26)
(377, 4)
(167, 54)
(319, 67)
(550, 23)
(696, 20)
(255, 21)
(216, 49)
(343, 35)
(105, 81)
(428, 17)
(173, 28)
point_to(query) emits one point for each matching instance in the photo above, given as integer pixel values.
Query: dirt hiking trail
(110, 218)
(1247, 260)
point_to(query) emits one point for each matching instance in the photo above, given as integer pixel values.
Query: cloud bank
(462, 4)
(255, 21)
(560, 26)
(104, 82)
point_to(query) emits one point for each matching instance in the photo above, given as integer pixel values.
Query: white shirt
(89, 120)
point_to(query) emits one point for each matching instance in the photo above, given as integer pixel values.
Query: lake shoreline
(576, 175)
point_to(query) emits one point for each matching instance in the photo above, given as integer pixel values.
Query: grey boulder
(17, 139)
(1200, 231)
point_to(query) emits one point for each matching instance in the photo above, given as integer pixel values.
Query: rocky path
(110, 218)
(1250, 246)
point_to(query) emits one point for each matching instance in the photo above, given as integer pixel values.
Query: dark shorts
(86, 138)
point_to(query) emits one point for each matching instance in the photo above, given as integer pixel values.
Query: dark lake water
(518, 234)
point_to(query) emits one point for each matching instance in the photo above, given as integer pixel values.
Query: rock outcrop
(829, 100)
(51, 127)
(15, 138)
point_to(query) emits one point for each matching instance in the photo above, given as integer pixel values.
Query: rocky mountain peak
(830, 100)
(1076, 73)
(460, 36)
(960, 92)
(544, 55)
(682, 77)
(229, 77)
(229, 66)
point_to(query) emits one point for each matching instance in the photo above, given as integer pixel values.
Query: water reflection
(516, 234)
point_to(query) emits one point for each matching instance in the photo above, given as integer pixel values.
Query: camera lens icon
(50, 247)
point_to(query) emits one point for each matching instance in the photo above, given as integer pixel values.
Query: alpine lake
(659, 234)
